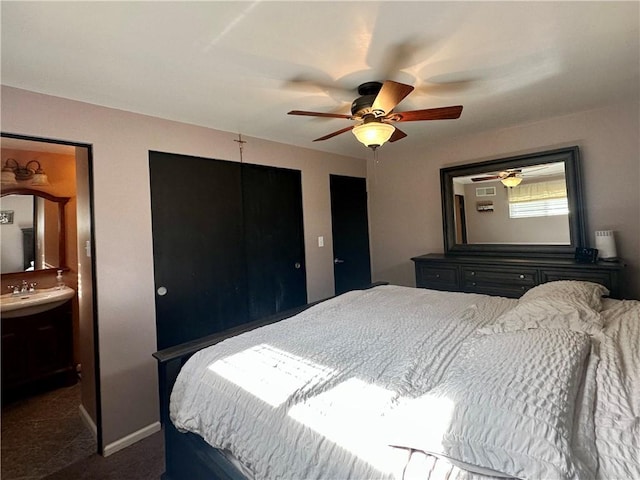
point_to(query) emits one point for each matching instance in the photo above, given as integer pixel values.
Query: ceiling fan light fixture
(511, 181)
(373, 134)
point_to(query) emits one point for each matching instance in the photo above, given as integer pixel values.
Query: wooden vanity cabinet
(37, 352)
(507, 276)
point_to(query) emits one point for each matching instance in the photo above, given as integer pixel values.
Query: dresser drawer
(437, 277)
(508, 282)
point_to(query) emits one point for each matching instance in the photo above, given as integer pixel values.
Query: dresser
(508, 276)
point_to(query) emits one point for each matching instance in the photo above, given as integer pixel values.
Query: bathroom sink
(20, 305)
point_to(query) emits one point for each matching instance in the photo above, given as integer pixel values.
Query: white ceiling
(231, 65)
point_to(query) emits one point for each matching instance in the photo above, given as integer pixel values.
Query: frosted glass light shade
(8, 177)
(373, 134)
(40, 179)
(511, 181)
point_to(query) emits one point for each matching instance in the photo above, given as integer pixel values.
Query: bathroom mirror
(528, 205)
(33, 230)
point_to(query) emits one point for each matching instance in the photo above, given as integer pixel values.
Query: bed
(403, 383)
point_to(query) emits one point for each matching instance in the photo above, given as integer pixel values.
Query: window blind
(539, 199)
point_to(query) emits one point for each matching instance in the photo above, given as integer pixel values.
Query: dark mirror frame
(569, 156)
(62, 231)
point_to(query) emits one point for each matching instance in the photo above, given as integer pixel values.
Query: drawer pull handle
(523, 288)
(521, 276)
(473, 283)
(437, 275)
(473, 273)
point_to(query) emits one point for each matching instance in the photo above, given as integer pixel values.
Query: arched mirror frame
(571, 159)
(62, 231)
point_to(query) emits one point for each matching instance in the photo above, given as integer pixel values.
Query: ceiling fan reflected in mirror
(511, 177)
(512, 172)
(375, 117)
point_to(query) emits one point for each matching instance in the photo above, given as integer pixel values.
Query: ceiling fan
(373, 112)
(510, 177)
(511, 173)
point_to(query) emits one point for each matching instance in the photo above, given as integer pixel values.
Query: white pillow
(587, 293)
(506, 405)
(547, 313)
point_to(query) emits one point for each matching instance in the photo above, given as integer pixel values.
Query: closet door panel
(199, 266)
(274, 239)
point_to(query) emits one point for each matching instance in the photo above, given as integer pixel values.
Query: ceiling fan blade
(441, 113)
(482, 179)
(390, 95)
(319, 114)
(510, 173)
(331, 135)
(397, 135)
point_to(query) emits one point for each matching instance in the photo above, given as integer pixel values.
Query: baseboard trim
(88, 421)
(136, 436)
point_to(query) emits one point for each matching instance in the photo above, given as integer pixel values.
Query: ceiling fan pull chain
(375, 167)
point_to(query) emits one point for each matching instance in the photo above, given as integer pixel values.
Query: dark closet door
(350, 229)
(274, 239)
(200, 275)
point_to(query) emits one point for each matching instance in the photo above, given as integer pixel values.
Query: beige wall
(405, 213)
(124, 263)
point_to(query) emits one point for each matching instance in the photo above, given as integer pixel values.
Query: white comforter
(295, 400)
(617, 413)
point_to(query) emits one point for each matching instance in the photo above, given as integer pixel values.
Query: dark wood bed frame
(187, 455)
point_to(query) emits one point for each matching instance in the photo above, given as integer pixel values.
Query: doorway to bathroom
(51, 416)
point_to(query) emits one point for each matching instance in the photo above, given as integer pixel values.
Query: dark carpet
(42, 434)
(143, 460)
(44, 437)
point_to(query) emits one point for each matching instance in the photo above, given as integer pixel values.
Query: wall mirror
(528, 205)
(33, 230)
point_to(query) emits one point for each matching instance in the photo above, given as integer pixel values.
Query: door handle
(337, 261)
(162, 291)
(297, 265)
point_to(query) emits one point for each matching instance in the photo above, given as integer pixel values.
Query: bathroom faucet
(25, 288)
